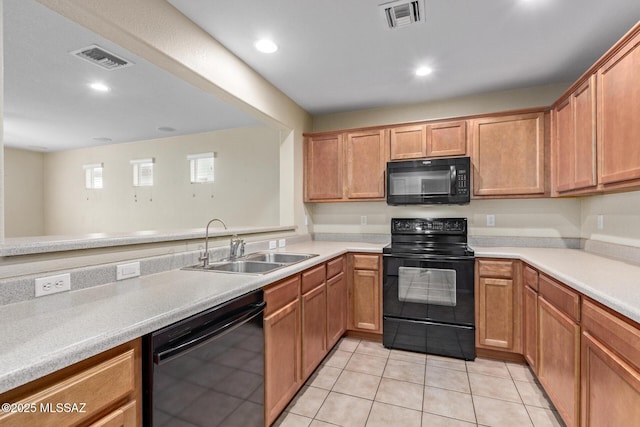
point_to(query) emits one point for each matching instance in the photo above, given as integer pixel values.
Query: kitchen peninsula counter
(46, 334)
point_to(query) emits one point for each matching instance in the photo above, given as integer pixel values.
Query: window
(143, 172)
(93, 176)
(201, 167)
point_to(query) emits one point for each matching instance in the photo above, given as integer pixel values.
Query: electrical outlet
(53, 284)
(600, 222)
(363, 220)
(491, 220)
(273, 244)
(282, 243)
(127, 271)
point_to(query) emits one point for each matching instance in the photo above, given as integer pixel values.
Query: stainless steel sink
(280, 257)
(255, 263)
(239, 266)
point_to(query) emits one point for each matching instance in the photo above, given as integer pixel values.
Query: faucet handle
(241, 247)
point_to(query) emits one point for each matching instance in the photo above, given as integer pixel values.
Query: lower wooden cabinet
(104, 390)
(530, 317)
(559, 359)
(365, 289)
(336, 301)
(314, 328)
(282, 342)
(498, 305)
(610, 369)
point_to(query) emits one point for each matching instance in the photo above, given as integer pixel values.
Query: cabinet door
(508, 155)
(314, 328)
(365, 301)
(323, 168)
(559, 360)
(618, 112)
(496, 314)
(530, 341)
(610, 387)
(282, 359)
(564, 145)
(584, 105)
(408, 142)
(447, 139)
(336, 308)
(366, 164)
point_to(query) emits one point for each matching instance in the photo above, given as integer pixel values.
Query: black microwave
(429, 181)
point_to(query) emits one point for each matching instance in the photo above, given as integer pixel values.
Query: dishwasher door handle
(221, 328)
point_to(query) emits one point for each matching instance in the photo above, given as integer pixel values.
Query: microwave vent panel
(401, 13)
(101, 57)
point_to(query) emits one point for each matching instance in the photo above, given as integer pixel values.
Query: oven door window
(433, 286)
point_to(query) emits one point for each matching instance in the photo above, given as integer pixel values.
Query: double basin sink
(254, 263)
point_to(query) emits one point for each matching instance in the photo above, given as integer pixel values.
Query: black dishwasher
(208, 369)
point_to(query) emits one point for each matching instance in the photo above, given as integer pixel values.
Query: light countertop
(47, 334)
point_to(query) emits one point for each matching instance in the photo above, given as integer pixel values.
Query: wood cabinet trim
(366, 262)
(495, 268)
(530, 277)
(335, 266)
(312, 278)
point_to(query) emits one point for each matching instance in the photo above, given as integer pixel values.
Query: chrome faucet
(205, 256)
(237, 245)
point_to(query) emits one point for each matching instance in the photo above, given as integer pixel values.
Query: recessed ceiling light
(100, 87)
(266, 46)
(423, 71)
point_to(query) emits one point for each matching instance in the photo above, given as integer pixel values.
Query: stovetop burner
(429, 237)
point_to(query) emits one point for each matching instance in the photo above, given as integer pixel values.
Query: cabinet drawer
(95, 389)
(502, 269)
(335, 267)
(530, 277)
(616, 333)
(281, 294)
(366, 262)
(559, 295)
(312, 278)
(124, 416)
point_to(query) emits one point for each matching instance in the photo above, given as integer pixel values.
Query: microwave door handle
(453, 176)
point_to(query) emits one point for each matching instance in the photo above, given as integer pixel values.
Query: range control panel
(429, 226)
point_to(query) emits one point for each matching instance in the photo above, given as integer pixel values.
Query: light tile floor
(360, 383)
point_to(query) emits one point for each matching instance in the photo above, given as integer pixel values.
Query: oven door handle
(195, 339)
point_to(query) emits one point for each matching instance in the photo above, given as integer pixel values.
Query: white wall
(23, 193)
(245, 191)
(513, 218)
(155, 30)
(621, 214)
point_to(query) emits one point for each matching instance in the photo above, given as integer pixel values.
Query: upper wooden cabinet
(618, 112)
(366, 164)
(323, 168)
(509, 155)
(429, 140)
(574, 139)
(447, 139)
(344, 166)
(408, 142)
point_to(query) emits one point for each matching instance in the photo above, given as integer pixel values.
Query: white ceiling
(48, 105)
(338, 55)
(335, 55)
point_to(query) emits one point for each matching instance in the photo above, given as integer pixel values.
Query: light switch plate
(282, 243)
(273, 244)
(127, 271)
(491, 220)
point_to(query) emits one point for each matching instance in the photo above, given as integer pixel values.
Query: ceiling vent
(101, 57)
(402, 12)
